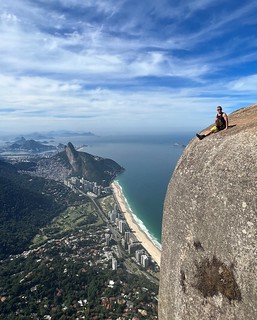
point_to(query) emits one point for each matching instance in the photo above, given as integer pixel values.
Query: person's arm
(226, 119)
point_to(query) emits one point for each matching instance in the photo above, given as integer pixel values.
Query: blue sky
(113, 66)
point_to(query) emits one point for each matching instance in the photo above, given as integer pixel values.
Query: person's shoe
(200, 136)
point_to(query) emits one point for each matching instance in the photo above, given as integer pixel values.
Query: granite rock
(209, 258)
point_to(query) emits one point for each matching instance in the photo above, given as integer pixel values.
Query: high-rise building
(116, 210)
(139, 254)
(107, 239)
(121, 226)
(114, 264)
(124, 244)
(144, 260)
(127, 236)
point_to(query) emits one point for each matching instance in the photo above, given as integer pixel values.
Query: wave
(138, 221)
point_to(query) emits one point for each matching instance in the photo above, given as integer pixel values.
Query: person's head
(219, 109)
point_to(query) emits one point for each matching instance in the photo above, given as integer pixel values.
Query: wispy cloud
(244, 84)
(111, 64)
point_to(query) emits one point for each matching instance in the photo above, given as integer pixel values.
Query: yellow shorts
(214, 128)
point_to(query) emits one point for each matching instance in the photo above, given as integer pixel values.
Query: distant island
(39, 142)
(57, 133)
(68, 133)
(22, 144)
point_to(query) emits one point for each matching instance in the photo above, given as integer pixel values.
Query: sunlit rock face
(209, 258)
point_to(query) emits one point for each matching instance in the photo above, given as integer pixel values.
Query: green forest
(27, 204)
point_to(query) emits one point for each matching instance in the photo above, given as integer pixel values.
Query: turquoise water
(149, 163)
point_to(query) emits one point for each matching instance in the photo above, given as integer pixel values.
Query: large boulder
(209, 257)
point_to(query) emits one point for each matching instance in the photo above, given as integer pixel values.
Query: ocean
(149, 162)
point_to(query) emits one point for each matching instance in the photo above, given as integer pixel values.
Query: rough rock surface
(209, 259)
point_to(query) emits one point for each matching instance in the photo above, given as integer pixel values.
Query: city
(86, 263)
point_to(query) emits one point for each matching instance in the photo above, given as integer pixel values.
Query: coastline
(138, 232)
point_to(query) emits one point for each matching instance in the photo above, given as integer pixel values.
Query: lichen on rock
(214, 277)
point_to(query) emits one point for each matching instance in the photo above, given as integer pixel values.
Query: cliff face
(92, 168)
(209, 258)
(73, 157)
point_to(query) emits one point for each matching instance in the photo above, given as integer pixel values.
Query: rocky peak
(208, 266)
(90, 167)
(72, 155)
(70, 148)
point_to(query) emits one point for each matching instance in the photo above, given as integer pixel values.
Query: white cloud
(125, 61)
(248, 83)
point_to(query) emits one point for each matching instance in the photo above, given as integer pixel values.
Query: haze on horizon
(118, 66)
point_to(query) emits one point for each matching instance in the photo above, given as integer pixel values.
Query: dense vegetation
(35, 288)
(26, 204)
(67, 272)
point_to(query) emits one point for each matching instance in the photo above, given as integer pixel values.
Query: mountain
(208, 265)
(29, 145)
(58, 133)
(92, 168)
(71, 162)
(67, 133)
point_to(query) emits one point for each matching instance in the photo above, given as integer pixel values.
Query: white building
(139, 254)
(144, 260)
(114, 264)
(121, 226)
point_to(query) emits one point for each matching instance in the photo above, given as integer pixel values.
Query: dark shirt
(222, 121)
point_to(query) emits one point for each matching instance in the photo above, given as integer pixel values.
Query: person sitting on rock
(221, 122)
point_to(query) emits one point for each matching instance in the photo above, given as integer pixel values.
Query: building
(112, 216)
(122, 226)
(114, 264)
(144, 260)
(127, 236)
(97, 190)
(107, 239)
(74, 181)
(116, 210)
(133, 247)
(139, 254)
(124, 244)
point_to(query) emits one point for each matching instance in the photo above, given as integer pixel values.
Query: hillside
(71, 162)
(26, 204)
(208, 267)
(92, 168)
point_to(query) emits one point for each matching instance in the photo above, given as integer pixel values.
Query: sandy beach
(139, 233)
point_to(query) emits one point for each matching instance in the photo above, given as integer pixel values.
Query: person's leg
(201, 136)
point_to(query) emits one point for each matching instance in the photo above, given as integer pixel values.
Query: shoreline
(138, 232)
